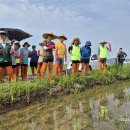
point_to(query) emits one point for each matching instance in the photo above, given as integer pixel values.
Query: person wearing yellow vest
(74, 51)
(102, 55)
(60, 54)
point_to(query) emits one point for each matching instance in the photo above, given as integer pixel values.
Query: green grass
(19, 92)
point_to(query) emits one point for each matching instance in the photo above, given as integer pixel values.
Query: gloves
(11, 52)
(1, 51)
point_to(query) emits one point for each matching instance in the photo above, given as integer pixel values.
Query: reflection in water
(104, 111)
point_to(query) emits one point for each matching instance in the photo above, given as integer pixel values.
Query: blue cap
(88, 43)
(33, 46)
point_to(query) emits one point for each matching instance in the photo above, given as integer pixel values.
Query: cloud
(89, 20)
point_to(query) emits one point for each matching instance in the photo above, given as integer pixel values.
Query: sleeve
(98, 51)
(70, 49)
(81, 50)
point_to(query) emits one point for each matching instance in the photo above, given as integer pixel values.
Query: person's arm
(65, 54)
(98, 54)
(109, 47)
(29, 54)
(56, 51)
(125, 54)
(70, 49)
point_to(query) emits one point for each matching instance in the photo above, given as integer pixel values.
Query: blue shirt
(85, 52)
(25, 53)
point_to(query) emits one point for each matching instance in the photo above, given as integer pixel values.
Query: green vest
(75, 53)
(17, 61)
(103, 52)
(5, 56)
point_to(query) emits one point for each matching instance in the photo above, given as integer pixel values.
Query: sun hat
(88, 43)
(45, 35)
(26, 43)
(103, 42)
(3, 32)
(63, 36)
(17, 43)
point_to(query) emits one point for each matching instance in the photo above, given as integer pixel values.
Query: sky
(92, 20)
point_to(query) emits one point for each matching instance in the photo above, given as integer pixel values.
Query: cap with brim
(76, 39)
(26, 43)
(63, 36)
(33, 46)
(45, 35)
(103, 42)
(3, 32)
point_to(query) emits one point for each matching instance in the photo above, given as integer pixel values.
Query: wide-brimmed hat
(45, 35)
(26, 43)
(76, 39)
(17, 43)
(3, 32)
(103, 42)
(63, 36)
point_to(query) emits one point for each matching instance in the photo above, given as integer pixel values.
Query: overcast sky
(92, 20)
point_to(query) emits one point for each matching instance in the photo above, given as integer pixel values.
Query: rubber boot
(56, 70)
(104, 67)
(50, 71)
(43, 70)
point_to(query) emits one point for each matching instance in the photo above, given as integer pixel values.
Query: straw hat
(103, 42)
(63, 36)
(76, 39)
(17, 43)
(26, 43)
(45, 35)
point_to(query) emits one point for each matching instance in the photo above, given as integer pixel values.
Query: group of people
(14, 58)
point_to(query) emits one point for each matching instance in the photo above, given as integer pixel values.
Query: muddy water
(102, 108)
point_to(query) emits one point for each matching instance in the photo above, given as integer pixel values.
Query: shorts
(46, 60)
(15, 66)
(60, 61)
(75, 61)
(103, 60)
(86, 61)
(25, 65)
(33, 64)
(40, 63)
(5, 64)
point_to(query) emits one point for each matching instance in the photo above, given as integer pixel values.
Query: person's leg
(61, 68)
(77, 68)
(100, 67)
(14, 73)
(17, 72)
(86, 68)
(56, 69)
(82, 69)
(50, 70)
(32, 68)
(22, 72)
(43, 70)
(9, 72)
(104, 67)
(25, 72)
(73, 68)
(1, 73)
(38, 71)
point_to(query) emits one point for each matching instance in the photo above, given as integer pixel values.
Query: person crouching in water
(74, 51)
(34, 60)
(85, 58)
(48, 57)
(102, 55)
(41, 55)
(25, 54)
(15, 59)
(5, 56)
(60, 54)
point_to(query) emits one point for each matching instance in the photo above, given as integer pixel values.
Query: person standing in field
(74, 51)
(48, 57)
(102, 55)
(15, 59)
(25, 54)
(85, 58)
(41, 53)
(121, 56)
(5, 55)
(34, 60)
(60, 55)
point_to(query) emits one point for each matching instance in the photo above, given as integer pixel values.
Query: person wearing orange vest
(102, 55)
(60, 54)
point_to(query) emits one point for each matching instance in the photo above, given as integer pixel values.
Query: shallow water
(102, 108)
